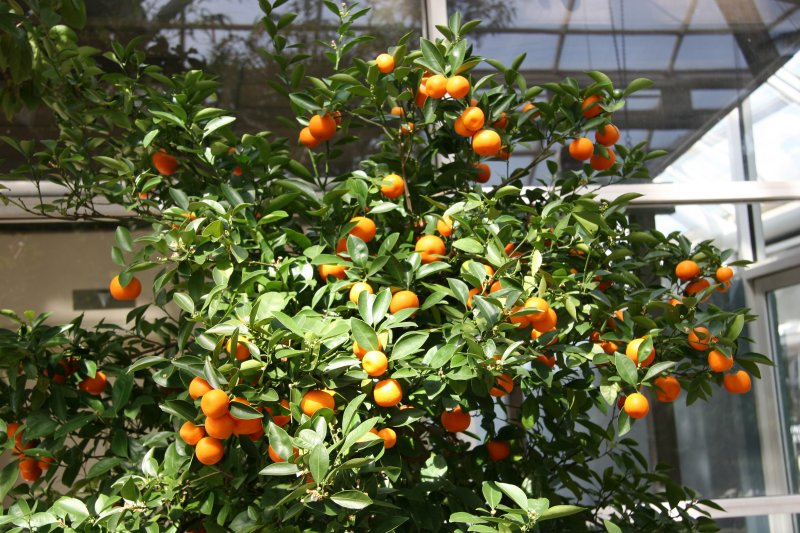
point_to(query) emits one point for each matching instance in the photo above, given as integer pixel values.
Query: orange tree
(389, 347)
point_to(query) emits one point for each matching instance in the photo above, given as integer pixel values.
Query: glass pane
(775, 109)
(784, 307)
(704, 56)
(744, 524)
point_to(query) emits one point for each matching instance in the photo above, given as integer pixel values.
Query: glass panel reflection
(784, 307)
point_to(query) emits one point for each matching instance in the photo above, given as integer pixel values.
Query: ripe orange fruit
(242, 351)
(129, 292)
(498, 449)
(220, 427)
(429, 248)
(527, 107)
(458, 86)
(387, 393)
(306, 139)
(389, 437)
(502, 122)
(375, 363)
(632, 351)
(445, 226)
(214, 403)
(505, 384)
(393, 186)
(407, 128)
(191, 433)
(361, 352)
(718, 362)
(697, 286)
(738, 382)
(403, 300)
(385, 63)
(461, 129)
(12, 430)
(724, 274)
(364, 229)
(687, 269)
(544, 322)
(274, 456)
(581, 149)
(484, 173)
(600, 162)
(281, 420)
(209, 451)
(357, 289)
(337, 271)
(486, 143)
(608, 135)
(636, 405)
(45, 463)
(668, 388)
(537, 303)
(165, 164)
(198, 387)
(609, 347)
(322, 127)
(521, 321)
(436, 86)
(472, 292)
(473, 118)
(545, 360)
(397, 111)
(314, 400)
(699, 338)
(29, 469)
(591, 106)
(504, 153)
(249, 426)
(95, 385)
(422, 94)
(456, 421)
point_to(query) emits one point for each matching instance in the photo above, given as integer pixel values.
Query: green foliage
(238, 234)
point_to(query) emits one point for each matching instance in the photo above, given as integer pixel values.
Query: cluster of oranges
(320, 128)
(68, 366)
(688, 271)
(701, 340)
(30, 468)
(219, 423)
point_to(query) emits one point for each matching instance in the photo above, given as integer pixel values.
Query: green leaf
(244, 412)
(735, 328)
(626, 369)
(657, 369)
(124, 239)
(8, 476)
(637, 85)
(560, 511)
(491, 494)
(215, 124)
(365, 336)
(184, 301)
(104, 465)
(180, 408)
(469, 245)
(180, 198)
(515, 493)
(611, 527)
(350, 411)
(433, 56)
(467, 518)
(408, 344)
(72, 507)
(112, 163)
(319, 462)
(280, 441)
(149, 137)
(121, 393)
(351, 499)
(280, 469)
(304, 102)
